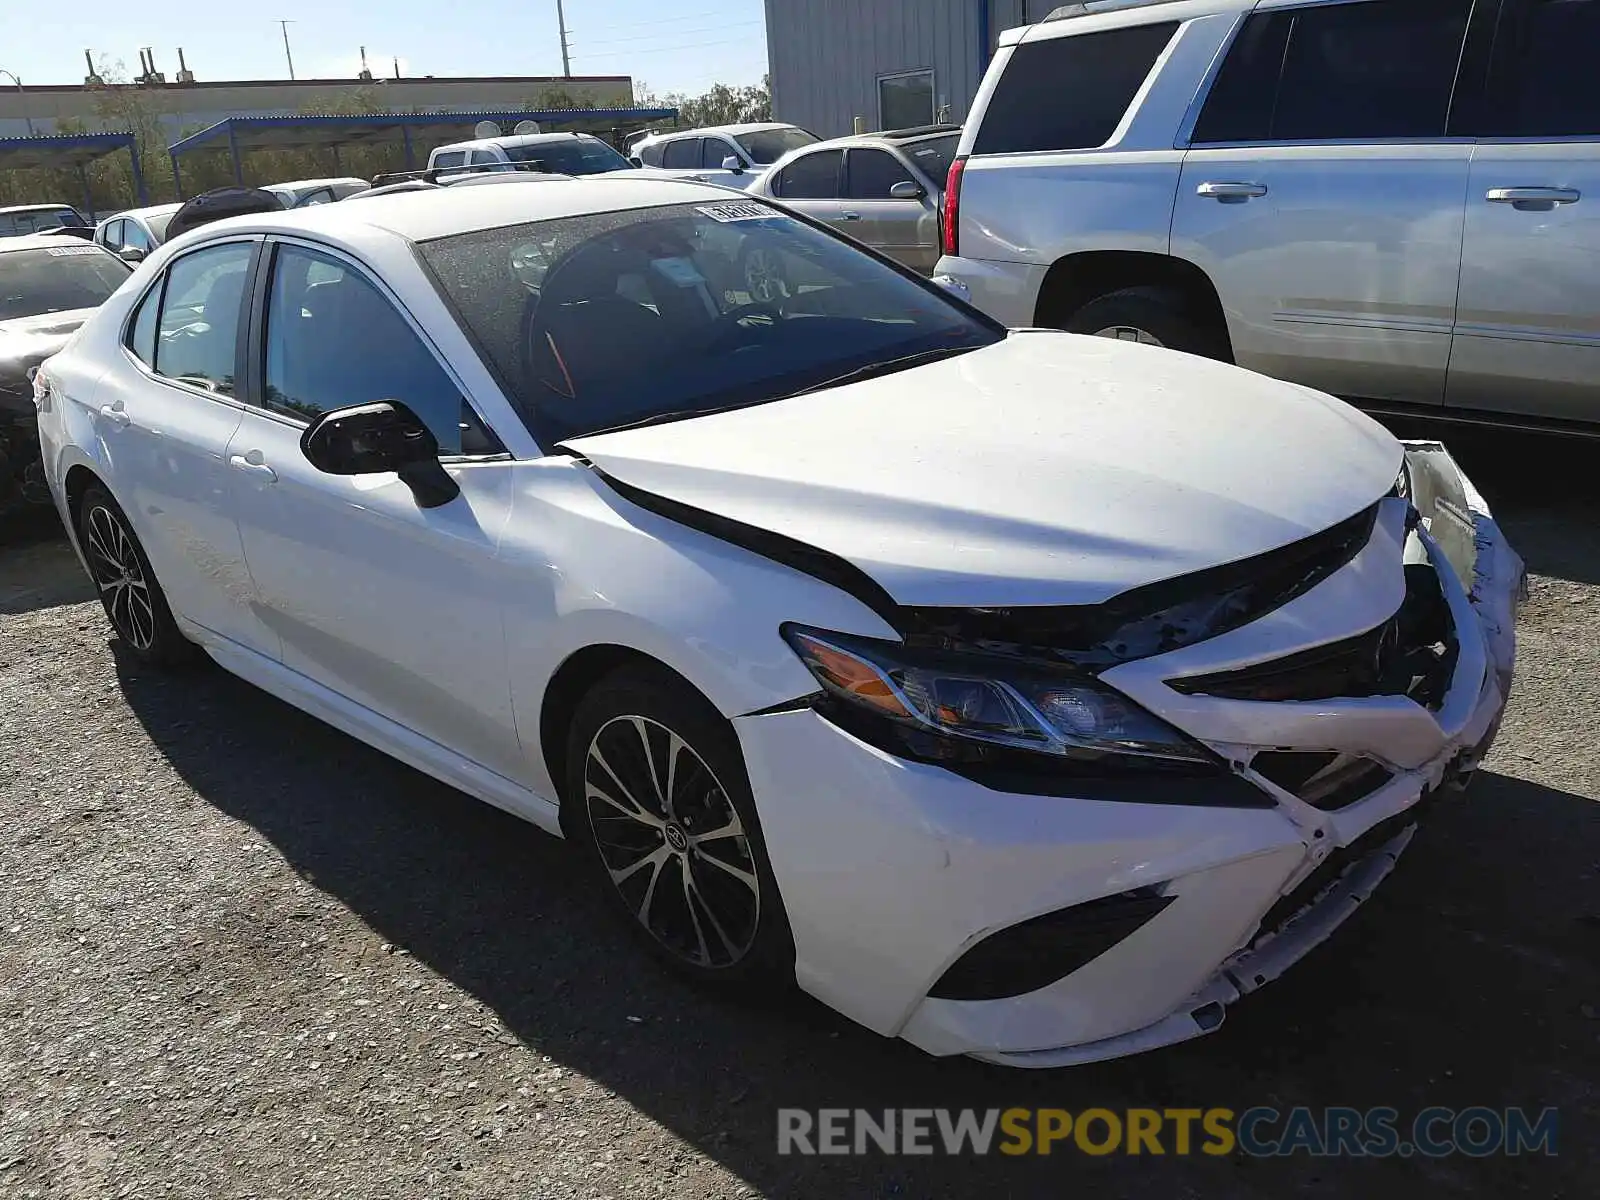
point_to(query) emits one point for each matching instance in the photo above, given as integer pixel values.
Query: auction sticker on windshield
(736, 212)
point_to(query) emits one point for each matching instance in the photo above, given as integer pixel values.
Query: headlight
(980, 700)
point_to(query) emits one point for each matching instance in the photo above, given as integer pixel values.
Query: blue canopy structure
(74, 151)
(238, 135)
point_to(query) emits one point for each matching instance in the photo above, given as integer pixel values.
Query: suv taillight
(952, 209)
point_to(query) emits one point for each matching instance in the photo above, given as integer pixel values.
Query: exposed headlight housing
(965, 706)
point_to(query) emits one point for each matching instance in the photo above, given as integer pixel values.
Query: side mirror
(133, 254)
(371, 438)
(953, 286)
(907, 189)
(733, 164)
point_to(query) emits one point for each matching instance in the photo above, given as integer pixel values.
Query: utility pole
(566, 59)
(284, 25)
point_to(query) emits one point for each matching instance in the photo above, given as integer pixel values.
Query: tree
(721, 105)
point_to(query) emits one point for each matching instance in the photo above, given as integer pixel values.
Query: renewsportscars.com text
(1258, 1132)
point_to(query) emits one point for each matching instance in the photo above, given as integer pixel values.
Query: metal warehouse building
(893, 63)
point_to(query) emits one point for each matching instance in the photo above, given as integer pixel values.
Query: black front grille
(1322, 778)
(1036, 953)
(1413, 654)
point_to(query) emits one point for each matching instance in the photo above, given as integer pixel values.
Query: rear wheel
(658, 799)
(128, 589)
(1152, 316)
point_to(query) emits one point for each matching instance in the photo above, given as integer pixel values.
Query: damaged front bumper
(892, 870)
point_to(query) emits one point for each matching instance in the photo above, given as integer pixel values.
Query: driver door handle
(1533, 199)
(850, 216)
(115, 414)
(259, 469)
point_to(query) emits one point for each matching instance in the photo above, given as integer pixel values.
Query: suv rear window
(1339, 72)
(1069, 93)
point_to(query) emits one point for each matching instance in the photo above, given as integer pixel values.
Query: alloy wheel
(672, 842)
(1129, 333)
(114, 562)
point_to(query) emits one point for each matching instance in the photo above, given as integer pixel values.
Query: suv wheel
(1151, 316)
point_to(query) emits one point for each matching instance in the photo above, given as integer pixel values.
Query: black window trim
(253, 345)
(159, 284)
(1471, 71)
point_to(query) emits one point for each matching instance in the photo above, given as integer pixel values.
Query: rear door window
(683, 154)
(1339, 72)
(1544, 79)
(812, 176)
(1069, 93)
(198, 331)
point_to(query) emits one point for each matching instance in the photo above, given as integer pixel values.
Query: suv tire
(1153, 315)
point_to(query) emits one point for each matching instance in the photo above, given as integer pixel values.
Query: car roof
(311, 183)
(889, 137)
(39, 241)
(18, 208)
(748, 127)
(518, 139)
(155, 210)
(443, 212)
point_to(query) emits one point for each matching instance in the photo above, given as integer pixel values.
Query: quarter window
(873, 173)
(130, 234)
(1339, 72)
(812, 177)
(198, 331)
(1069, 93)
(333, 340)
(1545, 80)
(114, 235)
(142, 329)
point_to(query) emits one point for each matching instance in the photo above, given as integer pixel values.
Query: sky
(670, 45)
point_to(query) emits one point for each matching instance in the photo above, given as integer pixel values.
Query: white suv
(1383, 199)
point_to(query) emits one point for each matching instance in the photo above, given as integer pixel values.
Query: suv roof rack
(897, 135)
(1086, 8)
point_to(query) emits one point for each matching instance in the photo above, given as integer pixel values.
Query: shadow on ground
(1465, 982)
(37, 566)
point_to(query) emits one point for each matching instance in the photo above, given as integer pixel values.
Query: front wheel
(658, 800)
(128, 589)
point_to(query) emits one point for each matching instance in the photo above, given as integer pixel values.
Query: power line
(663, 49)
(645, 37)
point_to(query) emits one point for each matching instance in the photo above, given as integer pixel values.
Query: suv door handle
(850, 216)
(1231, 193)
(1533, 199)
(259, 469)
(115, 414)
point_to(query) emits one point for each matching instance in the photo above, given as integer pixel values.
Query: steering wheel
(737, 320)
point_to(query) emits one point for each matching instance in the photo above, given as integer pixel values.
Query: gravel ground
(242, 955)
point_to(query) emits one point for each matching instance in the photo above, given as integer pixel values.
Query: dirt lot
(241, 955)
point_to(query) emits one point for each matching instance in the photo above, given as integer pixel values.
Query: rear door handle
(259, 469)
(1231, 193)
(850, 216)
(1533, 199)
(115, 414)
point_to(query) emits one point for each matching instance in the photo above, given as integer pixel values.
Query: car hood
(1048, 468)
(26, 342)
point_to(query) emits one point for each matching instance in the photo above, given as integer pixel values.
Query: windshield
(933, 157)
(610, 319)
(57, 279)
(158, 224)
(579, 156)
(767, 146)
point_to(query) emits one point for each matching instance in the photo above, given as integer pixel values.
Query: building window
(905, 100)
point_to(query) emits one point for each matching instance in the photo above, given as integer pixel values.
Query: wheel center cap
(677, 838)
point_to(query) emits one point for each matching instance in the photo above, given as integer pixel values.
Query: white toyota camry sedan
(1020, 694)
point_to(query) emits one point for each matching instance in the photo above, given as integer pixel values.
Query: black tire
(761, 273)
(1160, 313)
(133, 599)
(733, 934)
